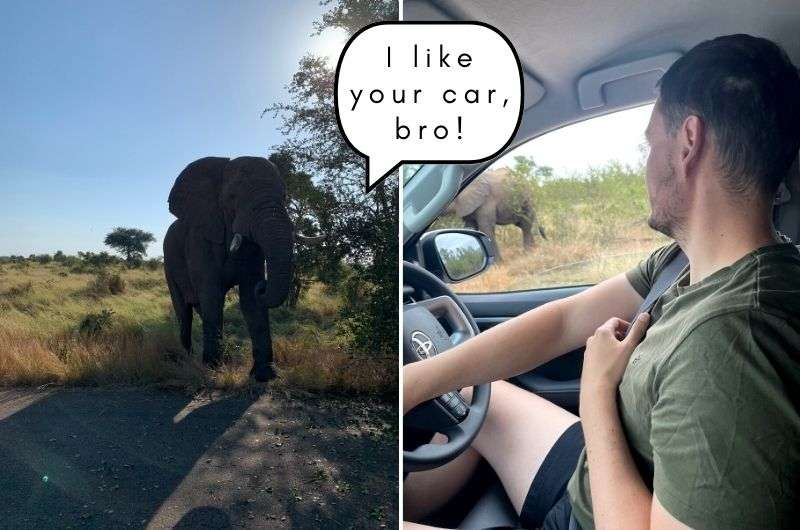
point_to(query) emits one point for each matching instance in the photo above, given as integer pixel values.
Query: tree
(310, 208)
(527, 169)
(131, 242)
(363, 227)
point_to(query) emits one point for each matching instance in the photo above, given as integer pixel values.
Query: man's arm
(522, 343)
(620, 498)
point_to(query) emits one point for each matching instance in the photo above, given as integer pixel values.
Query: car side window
(567, 208)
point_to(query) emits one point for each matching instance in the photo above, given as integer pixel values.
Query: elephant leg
(212, 301)
(527, 236)
(183, 313)
(469, 222)
(487, 226)
(257, 318)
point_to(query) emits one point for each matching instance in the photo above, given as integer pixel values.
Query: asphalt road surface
(140, 458)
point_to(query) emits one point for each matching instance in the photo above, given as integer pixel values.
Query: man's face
(667, 199)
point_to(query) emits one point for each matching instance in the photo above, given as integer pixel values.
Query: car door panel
(558, 380)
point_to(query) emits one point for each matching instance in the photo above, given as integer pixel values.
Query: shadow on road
(144, 458)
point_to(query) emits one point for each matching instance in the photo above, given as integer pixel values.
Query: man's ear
(692, 144)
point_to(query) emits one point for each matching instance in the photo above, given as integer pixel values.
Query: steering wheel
(425, 336)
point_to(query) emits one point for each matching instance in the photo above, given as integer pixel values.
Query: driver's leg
(425, 492)
(519, 431)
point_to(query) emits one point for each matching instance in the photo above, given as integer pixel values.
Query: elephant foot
(263, 372)
(212, 361)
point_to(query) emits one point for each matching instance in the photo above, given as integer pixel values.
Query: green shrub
(153, 264)
(104, 284)
(116, 285)
(94, 323)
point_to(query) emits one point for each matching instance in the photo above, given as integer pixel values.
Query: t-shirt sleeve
(642, 275)
(723, 433)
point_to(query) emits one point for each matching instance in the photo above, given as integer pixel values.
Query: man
(695, 424)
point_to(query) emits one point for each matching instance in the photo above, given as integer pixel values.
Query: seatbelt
(663, 281)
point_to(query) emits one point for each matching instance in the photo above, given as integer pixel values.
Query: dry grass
(557, 263)
(596, 225)
(135, 343)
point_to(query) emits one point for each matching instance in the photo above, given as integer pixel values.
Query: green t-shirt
(709, 400)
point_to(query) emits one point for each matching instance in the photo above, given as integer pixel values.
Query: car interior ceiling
(607, 34)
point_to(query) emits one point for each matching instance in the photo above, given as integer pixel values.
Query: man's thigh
(519, 431)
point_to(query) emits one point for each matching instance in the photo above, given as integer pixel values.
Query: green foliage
(153, 264)
(526, 169)
(310, 208)
(95, 323)
(461, 262)
(360, 228)
(131, 242)
(95, 260)
(524, 180)
(105, 283)
(59, 256)
(608, 198)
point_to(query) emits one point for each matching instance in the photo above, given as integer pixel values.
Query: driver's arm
(522, 343)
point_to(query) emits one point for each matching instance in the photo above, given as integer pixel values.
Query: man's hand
(607, 354)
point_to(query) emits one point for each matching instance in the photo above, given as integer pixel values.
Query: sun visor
(624, 84)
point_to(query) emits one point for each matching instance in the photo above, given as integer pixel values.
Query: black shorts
(547, 504)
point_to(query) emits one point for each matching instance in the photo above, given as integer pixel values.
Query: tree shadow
(97, 458)
(101, 458)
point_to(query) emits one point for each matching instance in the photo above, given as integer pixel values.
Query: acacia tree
(131, 242)
(363, 227)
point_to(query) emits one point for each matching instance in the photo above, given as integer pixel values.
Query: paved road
(91, 458)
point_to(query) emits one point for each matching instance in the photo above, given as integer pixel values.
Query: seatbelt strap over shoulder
(663, 281)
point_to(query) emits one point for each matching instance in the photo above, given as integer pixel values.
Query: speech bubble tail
(377, 170)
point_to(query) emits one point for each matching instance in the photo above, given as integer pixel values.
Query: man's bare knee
(425, 492)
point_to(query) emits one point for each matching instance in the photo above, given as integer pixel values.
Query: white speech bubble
(420, 92)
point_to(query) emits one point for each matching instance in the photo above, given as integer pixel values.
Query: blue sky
(591, 143)
(103, 103)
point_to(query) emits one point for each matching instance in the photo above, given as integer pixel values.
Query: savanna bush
(153, 264)
(22, 289)
(105, 283)
(93, 324)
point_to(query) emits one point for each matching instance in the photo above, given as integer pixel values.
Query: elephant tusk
(236, 242)
(309, 240)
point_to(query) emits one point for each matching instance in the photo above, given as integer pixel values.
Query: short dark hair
(747, 92)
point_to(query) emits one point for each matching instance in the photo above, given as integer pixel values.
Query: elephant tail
(541, 232)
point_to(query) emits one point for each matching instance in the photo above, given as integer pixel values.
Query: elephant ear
(472, 196)
(194, 197)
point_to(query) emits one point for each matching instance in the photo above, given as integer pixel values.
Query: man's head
(729, 109)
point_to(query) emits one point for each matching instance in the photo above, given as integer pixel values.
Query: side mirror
(456, 255)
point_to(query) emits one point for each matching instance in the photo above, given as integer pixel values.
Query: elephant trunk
(275, 236)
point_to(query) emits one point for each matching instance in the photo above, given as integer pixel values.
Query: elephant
(488, 201)
(232, 219)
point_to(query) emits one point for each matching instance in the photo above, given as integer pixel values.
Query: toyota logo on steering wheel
(423, 345)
